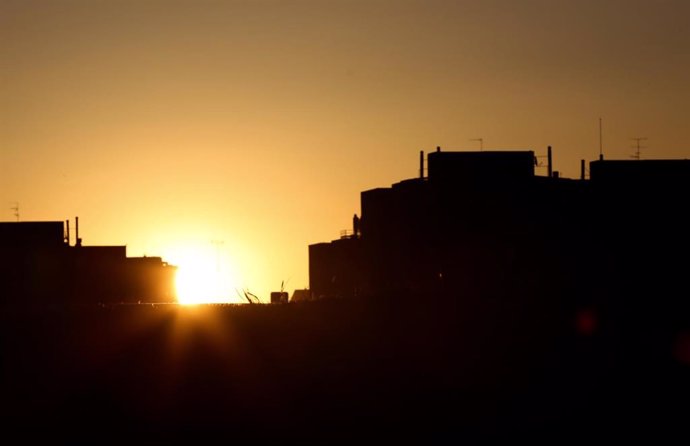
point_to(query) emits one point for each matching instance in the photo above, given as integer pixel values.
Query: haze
(173, 126)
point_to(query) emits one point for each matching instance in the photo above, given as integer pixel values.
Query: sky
(233, 134)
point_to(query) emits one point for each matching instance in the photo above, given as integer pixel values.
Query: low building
(39, 266)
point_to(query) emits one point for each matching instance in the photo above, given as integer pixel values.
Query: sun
(203, 276)
(197, 285)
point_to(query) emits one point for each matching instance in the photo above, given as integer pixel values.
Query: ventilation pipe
(582, 169)
(76, 236)
(550, 160)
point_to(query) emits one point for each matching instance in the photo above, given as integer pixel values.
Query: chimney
(76, 236)
(67, 233)
(550, 160)
(438, 148)
(355, 226)
(421, 164)
(582, 169)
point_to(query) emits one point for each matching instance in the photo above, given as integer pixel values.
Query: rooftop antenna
(637, 147)
(15, 208)
(421, 167)
(601, 142)
(481, 143)
(284, 283)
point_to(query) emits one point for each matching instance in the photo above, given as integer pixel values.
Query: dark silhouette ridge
(480, 302)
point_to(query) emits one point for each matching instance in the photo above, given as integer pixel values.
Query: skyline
(168, 125)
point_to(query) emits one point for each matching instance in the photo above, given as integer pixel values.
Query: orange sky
(170, 124)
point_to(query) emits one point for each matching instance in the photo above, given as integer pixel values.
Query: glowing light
(202, 277)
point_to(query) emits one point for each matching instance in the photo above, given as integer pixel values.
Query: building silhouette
(39, 266)
(484, 224)
(478, 302)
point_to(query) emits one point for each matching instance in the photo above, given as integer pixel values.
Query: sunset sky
(173, 126)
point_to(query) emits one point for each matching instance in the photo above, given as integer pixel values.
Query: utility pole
(481, 143)
(637, 147)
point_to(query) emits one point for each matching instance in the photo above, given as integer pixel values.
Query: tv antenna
(283, 284)
(481, 143)
(601, 141)
(637, 147)
(15, 208)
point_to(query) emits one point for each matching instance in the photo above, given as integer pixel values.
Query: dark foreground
(341, 373)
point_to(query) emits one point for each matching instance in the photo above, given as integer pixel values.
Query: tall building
(484, 224)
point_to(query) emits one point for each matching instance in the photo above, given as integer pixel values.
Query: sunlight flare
(203, 276)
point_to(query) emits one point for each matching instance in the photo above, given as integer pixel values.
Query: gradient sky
(166, 125)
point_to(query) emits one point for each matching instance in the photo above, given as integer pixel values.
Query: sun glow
(203, 276)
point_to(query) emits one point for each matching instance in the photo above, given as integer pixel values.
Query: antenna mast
(15, 208)
(481, 143)
(637, 147)
(601, 142)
